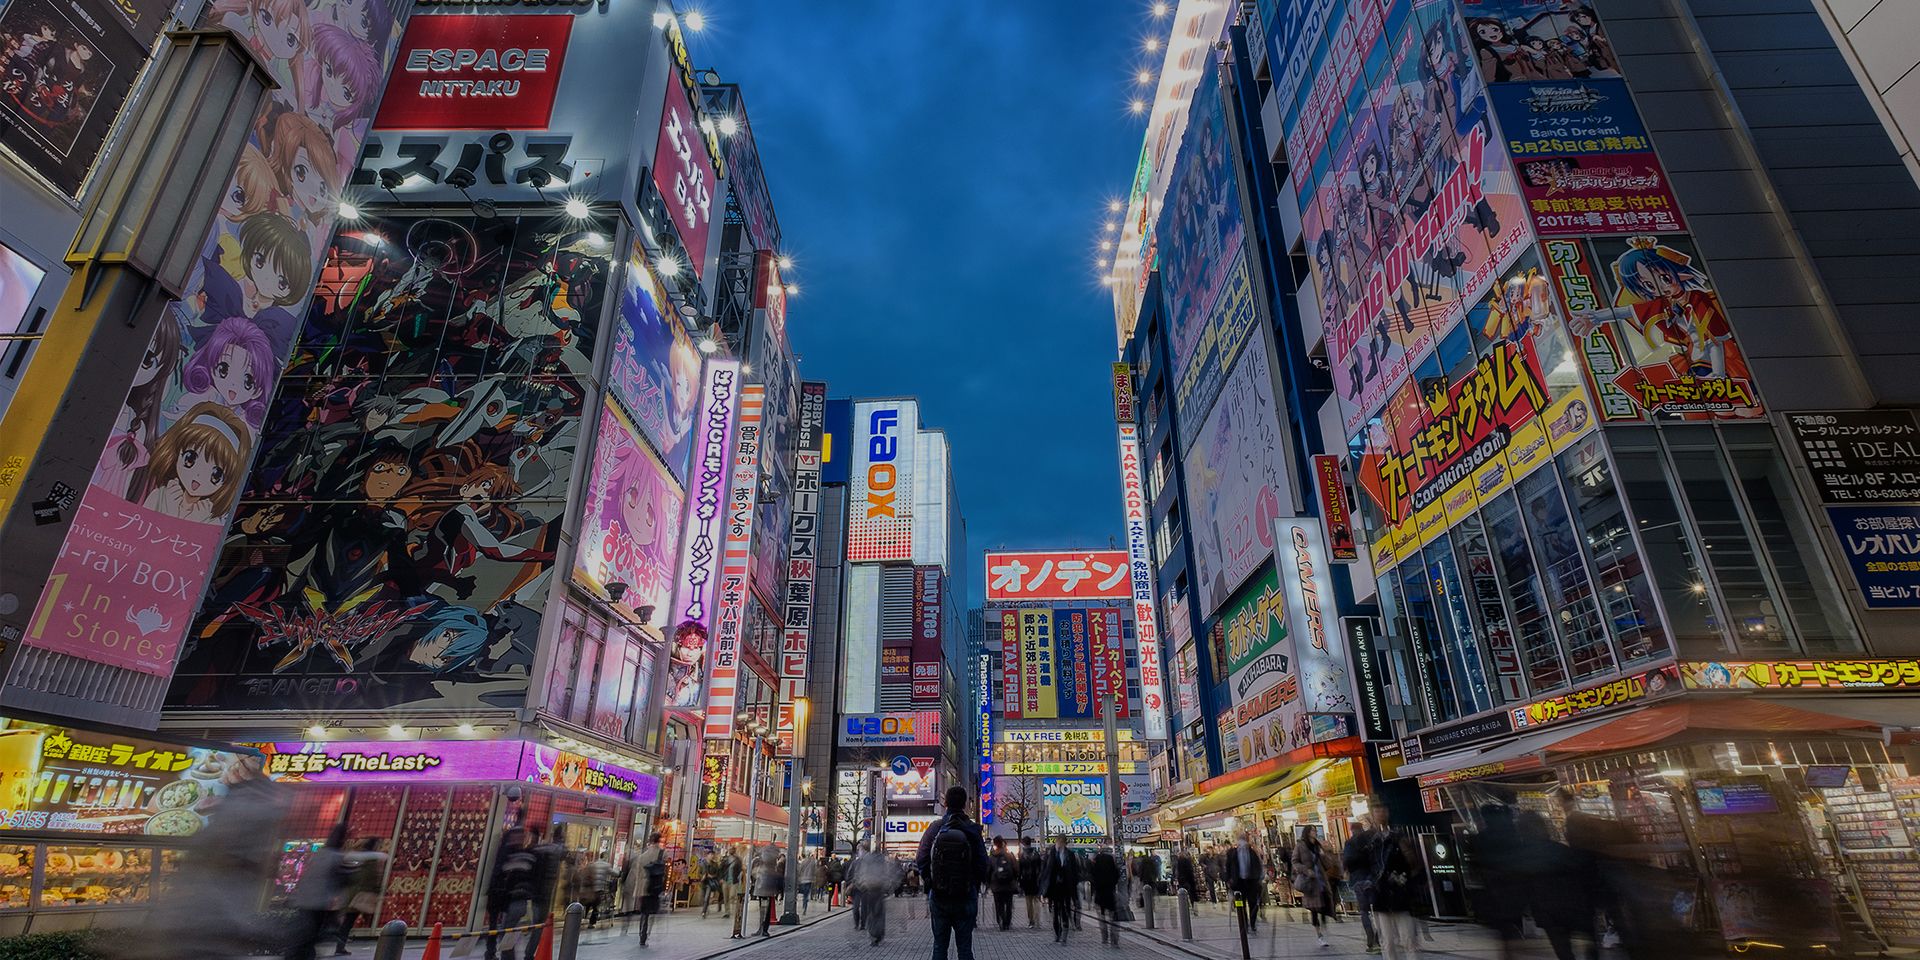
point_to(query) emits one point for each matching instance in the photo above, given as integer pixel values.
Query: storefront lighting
(696, 21)
(1670, 772)
(316, 732)
(466, 729)
(577, 208)
(348, 211)
(669, 266)
(1699, 588)
(784, 262)
(396, 731)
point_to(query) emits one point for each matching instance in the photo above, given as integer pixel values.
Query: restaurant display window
(17, 861)
(96, 876)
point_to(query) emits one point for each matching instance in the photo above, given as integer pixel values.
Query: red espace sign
(476, 71)
(683, 172)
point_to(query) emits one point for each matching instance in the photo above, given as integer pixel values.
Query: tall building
(1519, 414)
(902, 680)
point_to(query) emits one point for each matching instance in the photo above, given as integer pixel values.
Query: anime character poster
(396, 538)
(1538, 40)
(65, 70)
(1585, 162)
(630, 532)
(1237, 476)
(172, 471)
(1652, 330)
(1203, 255)
(1417, 208)
(655, 371)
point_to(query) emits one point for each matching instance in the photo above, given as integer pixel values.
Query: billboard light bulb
(1137, 107)
(316, 732)
(696, 21)
(1153, 44)
(577, 208)
(1106, 244)
(784, 262)
(661, 18)
(708, 346)
(348, 211)
(1113, 206)
(668, 266)
(1144, 76)
(729, 126)
(1160, 9)
(793, 289)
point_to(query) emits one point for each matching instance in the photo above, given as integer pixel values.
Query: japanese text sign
(1057, 575)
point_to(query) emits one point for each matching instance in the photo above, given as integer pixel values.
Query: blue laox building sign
(1882, 545)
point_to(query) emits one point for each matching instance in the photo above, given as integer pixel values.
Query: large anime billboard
(395, 540)
(1237, 480)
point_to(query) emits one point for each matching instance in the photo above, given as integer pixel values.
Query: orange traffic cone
(545, 951)
(433, 945)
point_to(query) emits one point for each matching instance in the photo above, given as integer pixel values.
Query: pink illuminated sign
(417, 761)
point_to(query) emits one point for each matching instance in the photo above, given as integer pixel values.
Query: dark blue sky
(941, 172)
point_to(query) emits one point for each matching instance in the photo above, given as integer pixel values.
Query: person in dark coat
(1186, 875)
(1316, 875)
(1498, 860)
(1003, 878)
(953, 902)
(1247, 878)
(1103, 874)
(1060, 884)
(510, 888)
(1560, 896)
(650, 865)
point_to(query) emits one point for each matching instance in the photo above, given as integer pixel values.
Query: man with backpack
(1003, 876)
(953, 860)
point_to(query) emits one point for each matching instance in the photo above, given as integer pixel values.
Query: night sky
(941, 173)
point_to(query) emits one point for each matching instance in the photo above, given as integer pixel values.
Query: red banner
(1333, 507)
(1058, 575)
(476, 72)
(1010, 664)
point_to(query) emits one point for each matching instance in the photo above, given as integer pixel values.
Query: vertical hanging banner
(1037, 677)
(1122, 392)
(1073, 662)
(736, 561)
(1108, 658)
(1012, 672)
(704, 534)
(927, 635)
(1334, 512)
(1146, 625)
(1320, 661)
(796, 631)
(880, 504)
(983, 747)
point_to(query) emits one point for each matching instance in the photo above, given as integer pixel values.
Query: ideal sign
(881, 521)
(910, 729)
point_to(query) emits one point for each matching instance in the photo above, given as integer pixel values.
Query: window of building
(1624, 591)
(1489, 608)
(1569, 588)
(1732, 556)
(1671, 551)
(1812, 598)
(1453, 608)
(1401, 681)
(1532, 617)
(1429, 644)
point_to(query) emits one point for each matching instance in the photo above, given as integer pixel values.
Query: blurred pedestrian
(1315, 871)
(649, 868)
(1246, 878)
(1060, 882)
(953, 863)
(1559, 889)
(1030, 880)
(509, 888)
(1186, 874)
(808, 873)
(1358, 858)
(873, 875)
(318, 895)
(1103, 875)
(1395, 875)
(1498, 889)
(362, 893)
(1003, 878)
(769, 882)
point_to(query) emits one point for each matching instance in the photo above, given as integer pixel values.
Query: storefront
(439, 808)
(1750, 810)
(93, 824)
(1324, 786)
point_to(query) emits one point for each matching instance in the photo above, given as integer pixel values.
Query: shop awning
(1702, 718)
(1233, 795)
(1518, 755)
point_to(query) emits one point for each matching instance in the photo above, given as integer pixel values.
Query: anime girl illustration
(1376, 196)
(255, 190)
(638, 509)
(277, 30)
(1498, 51)
(195, 468)
(1517, 305)
(1589, 42)
(460, 515)
(122, 467)
(686, 670)
(233, 368)
(276, 271)
(342, 75)
(1674, 304)
(304, 159)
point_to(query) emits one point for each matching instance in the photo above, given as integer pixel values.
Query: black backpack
(1004, 870)
(950, 863)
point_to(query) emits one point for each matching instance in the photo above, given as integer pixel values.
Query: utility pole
(791, 916)
(1108, 727)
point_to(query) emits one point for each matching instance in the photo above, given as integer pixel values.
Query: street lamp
(800, 707)
(755, 732)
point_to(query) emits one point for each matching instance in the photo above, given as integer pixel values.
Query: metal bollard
(570, 931)
(1186, 915)
(1240, 913)
(393, 939)
(1147, 896)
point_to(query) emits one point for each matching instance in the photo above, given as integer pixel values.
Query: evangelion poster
(148, 530)
(1237, 478)
(396, 537)
(655, 371)
(630, 530)
(1652, 330)
(1410, 209)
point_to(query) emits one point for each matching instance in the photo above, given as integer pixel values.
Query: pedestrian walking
(1396, 888)
(1359, 859)
(1030, 880)
(873, 876)
(509, 888)
(1060, 883)
(1315, 871)
(650, 869)
(1103, 875)
(1246, 877)
(1186, 873)
(769, 882)
(362, 891)
(1003, 878)
(809, 871)
(319, 895)
(953, 864)
(596, 884)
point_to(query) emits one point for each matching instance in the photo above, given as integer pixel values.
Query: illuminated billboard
(1237, 480)
(1146, 622)
(1042, 575)
(736, 559)
(880, 505)
(860, 637)
(630, 529)
(704, 534)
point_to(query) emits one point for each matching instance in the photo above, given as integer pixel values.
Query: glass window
(1429, 644)
(96, 876)
(1701, 474)
(1812, 598)
(1400, 681)
(16, 875)
(1539, 652)
(1463, 643)
(586, 675)
(1489, 608)
(566, 664)
(1672, 554)
(1626, 596)
(1564, 574)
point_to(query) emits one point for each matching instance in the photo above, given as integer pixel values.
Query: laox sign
(882, 474)
(880, 726)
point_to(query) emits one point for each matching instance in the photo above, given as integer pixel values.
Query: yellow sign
(1090, 768)
(1062, 736)
(1800, 674)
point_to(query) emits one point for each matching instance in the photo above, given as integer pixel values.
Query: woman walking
(1315, 871)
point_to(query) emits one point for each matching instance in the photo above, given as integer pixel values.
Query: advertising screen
(630, 529)
(1074, 662)
(1057, 575)
(1237, 480)
(1146, 621)
(880, 505)
(735, 560)
(911, 780)
(447, 761)
(1320, 655)
(1269, 715)
(80, 781)
(655, 371)
(918, 729)
(1076, 806)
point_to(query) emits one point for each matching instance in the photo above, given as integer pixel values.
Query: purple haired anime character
(340, 78)
(233, 368)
